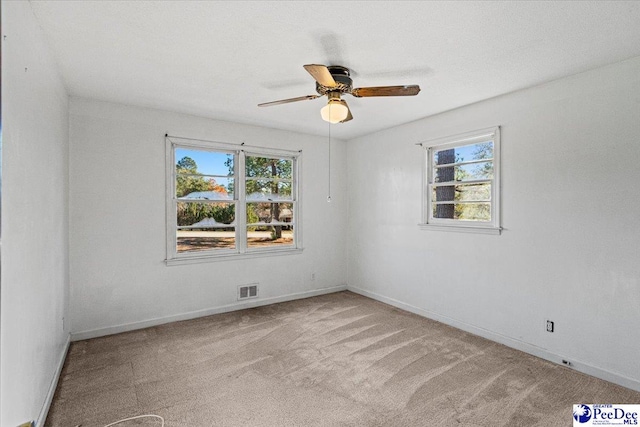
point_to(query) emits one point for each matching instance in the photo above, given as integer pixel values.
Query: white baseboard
(505, 340)
(54, 384)
(94, 333)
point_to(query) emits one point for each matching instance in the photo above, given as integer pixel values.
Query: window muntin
(462, 187)
(229, 202)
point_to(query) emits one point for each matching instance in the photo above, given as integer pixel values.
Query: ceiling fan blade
(386, 91)
(349, 116)
(286, 101)
(321, 74)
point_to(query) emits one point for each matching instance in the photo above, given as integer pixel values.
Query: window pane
(466, 193)
(203, 162)
(474, 171)
(198, 214)
(268, 190)
(463, 211)
(266, 213)
(264, 167)
(204, 188)
(269, 236)
(465, 153)
(204, 239)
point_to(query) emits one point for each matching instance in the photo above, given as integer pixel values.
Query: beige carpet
(333, 360)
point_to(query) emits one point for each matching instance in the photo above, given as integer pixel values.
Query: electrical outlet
(549, 326)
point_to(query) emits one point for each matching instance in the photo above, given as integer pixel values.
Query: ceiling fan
(334, 81)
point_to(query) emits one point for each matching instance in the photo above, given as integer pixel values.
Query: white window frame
(241, 250)
(428, 180)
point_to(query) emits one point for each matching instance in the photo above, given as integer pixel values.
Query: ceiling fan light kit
(336, 110)
(335, 80)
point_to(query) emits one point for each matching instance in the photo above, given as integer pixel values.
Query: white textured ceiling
(220, 59)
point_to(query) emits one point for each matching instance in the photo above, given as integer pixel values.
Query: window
(225, 201)
(462, 184)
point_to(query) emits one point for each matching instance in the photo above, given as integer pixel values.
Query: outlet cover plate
(550, 326)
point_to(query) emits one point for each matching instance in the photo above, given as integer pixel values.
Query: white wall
(571, 203)
(119, 280)
(34, 219)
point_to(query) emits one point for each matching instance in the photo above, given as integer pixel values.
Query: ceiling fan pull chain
(329, 173)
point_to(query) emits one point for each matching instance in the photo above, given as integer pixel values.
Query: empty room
(306, 213)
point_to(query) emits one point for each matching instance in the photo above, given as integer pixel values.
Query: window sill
(229, 256)
(462, 228)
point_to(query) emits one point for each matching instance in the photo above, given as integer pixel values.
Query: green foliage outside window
(189, 181)
(268, 180)
(464, 192)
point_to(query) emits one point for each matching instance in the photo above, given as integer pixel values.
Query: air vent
(248, 291)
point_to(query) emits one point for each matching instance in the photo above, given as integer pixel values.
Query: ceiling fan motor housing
(341, 75)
